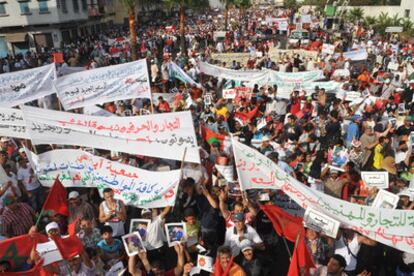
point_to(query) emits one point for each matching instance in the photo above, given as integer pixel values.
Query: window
(43, 6)
(407, 13)
(84, 5)
(75, 5)
(24, 7)
(64, 6)
(3, 9)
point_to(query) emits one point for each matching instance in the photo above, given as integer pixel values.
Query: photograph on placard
(385, 199)
(140, 226)
(176, 233)
(133, 244)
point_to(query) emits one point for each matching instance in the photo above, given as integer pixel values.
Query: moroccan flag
(211, 137)
(17, 250)
(69, 247)
(246, 116)
(292, 229)
(56, 199)
(72, 227)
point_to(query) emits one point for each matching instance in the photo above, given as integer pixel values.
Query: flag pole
(182, 164)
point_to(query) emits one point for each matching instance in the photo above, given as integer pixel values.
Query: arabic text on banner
(27, 85)
(12, 123)
(163, 135)
(76, 168)
(391, 227)
(105, 84)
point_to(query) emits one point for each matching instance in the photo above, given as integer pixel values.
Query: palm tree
(408, 26)
(370, 21)
(242, 5)
(355, 14)
(396, 21)
(183, 4)
(227, 4)
(131, 6)
(383, 22)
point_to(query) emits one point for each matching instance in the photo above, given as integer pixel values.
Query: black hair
(340, 260)
(107, 190)
(224, 250)
(106, 229)
(157, 264)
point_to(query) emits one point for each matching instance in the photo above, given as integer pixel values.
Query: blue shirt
(114, 248)
(352, 132)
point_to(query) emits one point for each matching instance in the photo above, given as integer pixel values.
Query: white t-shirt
(155, 234)
(232, 238)
(29, 180)
(348, 252)
(85, 271)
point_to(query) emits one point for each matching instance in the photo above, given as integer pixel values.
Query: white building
(36, 24)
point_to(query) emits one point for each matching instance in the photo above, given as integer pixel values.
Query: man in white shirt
(155, 238)
(29, 185)
(239, 232)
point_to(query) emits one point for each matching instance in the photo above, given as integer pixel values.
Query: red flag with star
(57, 199)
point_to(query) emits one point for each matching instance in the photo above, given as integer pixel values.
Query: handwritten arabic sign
(163, 135)
(391, 227)
(220, 72)
(319, 222)
(375, 179)
(27, 85)
(12, 123)
(134, 186)
(105, 84)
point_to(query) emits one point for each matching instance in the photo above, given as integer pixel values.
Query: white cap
(73, 194)
(5, 139)
(145, 211)
(265, 139)
(52, 225)
(21, 150)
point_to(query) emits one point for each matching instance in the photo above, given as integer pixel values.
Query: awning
(16, 37)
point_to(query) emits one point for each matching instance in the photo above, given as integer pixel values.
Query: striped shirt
(17, 222)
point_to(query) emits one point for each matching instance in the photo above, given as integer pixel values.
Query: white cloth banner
(105, 84)
(176, 72)
(12, 123)
(391, 227)
(287, 81)
(66, 70)
(164, 135)
(356, 55)
(220, 72)
(76, 168)
(27, 85)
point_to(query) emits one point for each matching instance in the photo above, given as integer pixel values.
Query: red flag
(16, 250)
(246, 116)
(292, 229)
(72, 227)
(69, 247)
(211, 137)
(56, 199)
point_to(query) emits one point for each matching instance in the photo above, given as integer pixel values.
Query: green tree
(383, 22)
(408, 26)
(370, 21)
(355, 14)
(396, 21)
(290, 4)
(131, 6)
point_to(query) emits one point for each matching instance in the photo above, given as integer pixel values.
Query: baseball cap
(245, 245)
(73, 194)
(52, 225)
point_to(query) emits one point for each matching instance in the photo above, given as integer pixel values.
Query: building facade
(36, 25)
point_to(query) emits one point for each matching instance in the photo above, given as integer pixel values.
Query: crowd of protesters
(300, 135)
